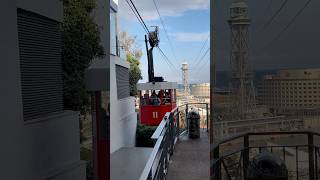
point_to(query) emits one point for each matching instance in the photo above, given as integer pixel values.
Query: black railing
(165, 136)
(301, 160)
(173, 125)
(203, 110)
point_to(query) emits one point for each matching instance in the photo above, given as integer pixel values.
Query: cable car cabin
(156, 99)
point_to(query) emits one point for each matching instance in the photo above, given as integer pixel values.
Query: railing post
(207, 109)
(216, 168)
(178, 123)
(172, 137)
(316, 161)
(187, 121)
(311, 156)
(245, 156)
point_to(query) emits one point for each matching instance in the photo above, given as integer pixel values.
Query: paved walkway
(191, 159)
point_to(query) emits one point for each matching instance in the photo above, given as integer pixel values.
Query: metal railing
(166, 135)
(277, 123)
(302, 160)
(204, 112)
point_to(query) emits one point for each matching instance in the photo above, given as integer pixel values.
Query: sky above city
(297, 47)
(188, 26)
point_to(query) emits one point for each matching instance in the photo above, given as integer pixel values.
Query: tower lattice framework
(185, 78)
(242, 77)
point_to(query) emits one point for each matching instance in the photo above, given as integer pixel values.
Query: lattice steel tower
(185, 77)
(241, 78)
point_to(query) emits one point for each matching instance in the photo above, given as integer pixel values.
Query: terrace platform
(128, 163)
(190, 160)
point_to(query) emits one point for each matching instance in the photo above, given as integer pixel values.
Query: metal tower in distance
(241, 78)
(185, 78)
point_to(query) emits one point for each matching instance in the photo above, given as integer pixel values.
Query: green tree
(134, 73)
(81, 44)
(134, 54)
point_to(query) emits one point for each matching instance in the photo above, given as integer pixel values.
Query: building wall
(46, 148)
(201, 90)
(123, 120)
(291, 89)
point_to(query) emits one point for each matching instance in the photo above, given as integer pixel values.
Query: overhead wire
(140, 19)
(134, 6)
(137, 16)
(204, 55)
(165, 30)
(167, 60)
(197, 57)
(291, 21)
(284, 3)
(288, 25)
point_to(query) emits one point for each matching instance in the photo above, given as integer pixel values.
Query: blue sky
(188, 26)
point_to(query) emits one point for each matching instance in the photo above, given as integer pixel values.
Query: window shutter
(40, 64)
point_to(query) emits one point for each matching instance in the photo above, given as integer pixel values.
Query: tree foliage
(134, 74)
(81, 44)
(133, 56)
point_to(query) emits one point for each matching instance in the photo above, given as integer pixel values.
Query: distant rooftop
(295, 74)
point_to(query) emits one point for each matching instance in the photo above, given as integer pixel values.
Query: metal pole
(187, 121)
(245, 156)
(207, 107)
(178, 123)
(311, 156)
(316, 161)
(297, 163)
(216, 168)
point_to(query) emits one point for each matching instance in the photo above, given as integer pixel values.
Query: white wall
(53, 147)
(123, 118)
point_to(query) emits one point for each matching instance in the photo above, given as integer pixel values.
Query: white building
(123, 120)
(201, 90)
(39, 138)
(295, 90)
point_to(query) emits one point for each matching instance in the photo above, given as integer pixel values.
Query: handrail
(157, 133)
(192, 103)
(225, 140)
(249, 120)
(147, 168)
(161, 135)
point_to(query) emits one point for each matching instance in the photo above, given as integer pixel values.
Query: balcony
(235, 157)
(174, 155)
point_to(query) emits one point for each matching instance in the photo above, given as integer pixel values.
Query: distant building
(291, 91)
(201, 90)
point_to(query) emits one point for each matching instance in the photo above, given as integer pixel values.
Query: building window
(40, 65)
(122, 77)
(113, 32)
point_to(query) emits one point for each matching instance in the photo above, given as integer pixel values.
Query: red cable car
(156, 96)
(156, 99)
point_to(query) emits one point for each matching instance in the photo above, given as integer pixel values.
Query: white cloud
(191, 37)
(166, 7)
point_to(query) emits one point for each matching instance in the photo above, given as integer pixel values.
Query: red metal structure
(155, 100)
